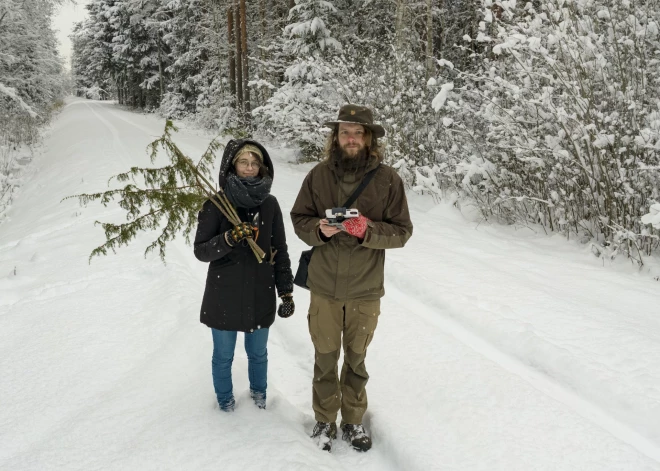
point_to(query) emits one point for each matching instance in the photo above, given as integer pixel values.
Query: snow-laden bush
(173, 105)
(563, 118)
(393, 85)
(215, 111)
(297, 109)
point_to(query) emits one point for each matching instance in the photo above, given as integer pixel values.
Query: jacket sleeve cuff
(322, 238)
(318, 238)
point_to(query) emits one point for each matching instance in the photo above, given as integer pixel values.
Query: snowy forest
(543, 114)
(32, 83)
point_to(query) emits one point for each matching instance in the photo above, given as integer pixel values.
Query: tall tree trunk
(279, 14)
(430, 67)
(263, 96)
(160, 69)
(440, 29)
(244, 52)
(264, 26)
(239, 59)
(119, 95)
(400, 25)
(143, 93)
(292, 3)
(474, 27)
(232, 58)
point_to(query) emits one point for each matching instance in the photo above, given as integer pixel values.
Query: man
(346, 271)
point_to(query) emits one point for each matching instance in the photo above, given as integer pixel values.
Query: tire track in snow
(535, 378)
(117, 144)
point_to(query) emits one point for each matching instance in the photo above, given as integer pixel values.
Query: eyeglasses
(247, 163)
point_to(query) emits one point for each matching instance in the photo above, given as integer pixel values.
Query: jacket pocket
(366, 325)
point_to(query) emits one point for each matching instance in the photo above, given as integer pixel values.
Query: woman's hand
(287, 307)
(238, 233)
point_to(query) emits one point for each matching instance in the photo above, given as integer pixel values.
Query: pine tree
(305, 100)
(169, 201)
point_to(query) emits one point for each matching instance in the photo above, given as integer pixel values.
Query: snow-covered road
(495, 350)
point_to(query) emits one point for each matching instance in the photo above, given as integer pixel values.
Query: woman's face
(247, 165)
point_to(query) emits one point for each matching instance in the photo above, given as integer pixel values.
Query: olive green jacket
(344, 267)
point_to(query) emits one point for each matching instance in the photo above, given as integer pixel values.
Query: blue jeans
(224, 343)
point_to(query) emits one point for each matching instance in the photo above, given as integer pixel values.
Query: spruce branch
(169, 200)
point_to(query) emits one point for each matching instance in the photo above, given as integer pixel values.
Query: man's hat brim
(376, 129)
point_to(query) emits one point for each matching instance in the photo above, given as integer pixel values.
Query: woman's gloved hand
(287, 307)
(238, 233)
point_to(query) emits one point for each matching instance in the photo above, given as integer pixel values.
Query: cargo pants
(329, 320)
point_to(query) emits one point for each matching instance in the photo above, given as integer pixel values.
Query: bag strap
(363, 184)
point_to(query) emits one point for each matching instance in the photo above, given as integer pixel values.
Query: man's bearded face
(351, 139)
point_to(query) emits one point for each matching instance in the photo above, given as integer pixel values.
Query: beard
(351, 163)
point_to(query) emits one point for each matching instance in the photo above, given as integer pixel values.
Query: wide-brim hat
(357, 114)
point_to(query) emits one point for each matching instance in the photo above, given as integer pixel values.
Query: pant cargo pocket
(367, 323)
(323, 330)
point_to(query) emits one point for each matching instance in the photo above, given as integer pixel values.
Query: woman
(240, 291)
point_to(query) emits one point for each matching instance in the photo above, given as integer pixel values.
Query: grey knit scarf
(247, 192)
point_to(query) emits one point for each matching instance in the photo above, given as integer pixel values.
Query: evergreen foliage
(167, 198)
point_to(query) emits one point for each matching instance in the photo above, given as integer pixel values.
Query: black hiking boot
(356, 436)
(324, 433)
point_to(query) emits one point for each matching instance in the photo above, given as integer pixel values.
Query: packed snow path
(495, 350)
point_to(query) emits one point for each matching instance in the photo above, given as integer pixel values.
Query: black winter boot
(324, 433)
(356, 435)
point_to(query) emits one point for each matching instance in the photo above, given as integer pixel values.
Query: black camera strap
(363, 184)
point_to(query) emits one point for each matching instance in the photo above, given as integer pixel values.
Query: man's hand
(327, 230)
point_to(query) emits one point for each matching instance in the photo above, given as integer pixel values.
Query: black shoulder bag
(306, 256)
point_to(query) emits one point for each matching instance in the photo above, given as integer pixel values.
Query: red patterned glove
(356, 226)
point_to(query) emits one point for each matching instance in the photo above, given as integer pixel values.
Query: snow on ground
(496, 349)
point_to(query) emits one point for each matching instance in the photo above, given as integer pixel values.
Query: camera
(336, 216)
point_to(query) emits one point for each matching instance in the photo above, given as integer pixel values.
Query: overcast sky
(63, 22)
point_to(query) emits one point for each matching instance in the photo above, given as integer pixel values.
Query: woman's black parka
(240, 291)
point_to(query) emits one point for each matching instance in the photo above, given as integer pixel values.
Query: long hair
(371, 143)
